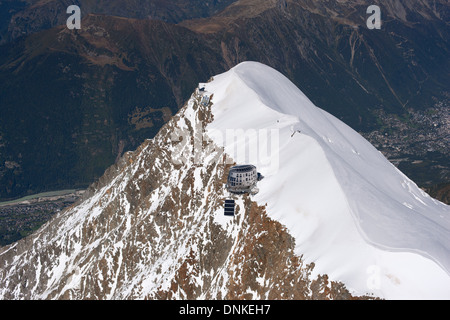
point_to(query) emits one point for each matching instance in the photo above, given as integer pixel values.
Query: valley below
(416, 143)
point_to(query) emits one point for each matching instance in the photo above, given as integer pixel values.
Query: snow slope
(352, 213)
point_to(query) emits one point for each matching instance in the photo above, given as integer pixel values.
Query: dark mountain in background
(389, 84)
(72, 101)
(21, 18)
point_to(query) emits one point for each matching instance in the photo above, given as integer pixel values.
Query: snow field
(343, 202)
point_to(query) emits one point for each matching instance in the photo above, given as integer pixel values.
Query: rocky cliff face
(153, 227)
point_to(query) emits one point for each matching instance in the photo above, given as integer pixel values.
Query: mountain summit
(332, 218)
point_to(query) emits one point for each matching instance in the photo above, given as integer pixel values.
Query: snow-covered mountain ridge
(153, 228)
(351, 211)
(332, 219)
